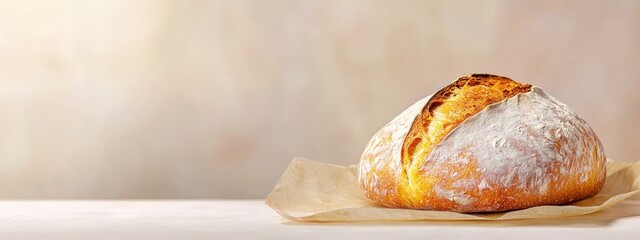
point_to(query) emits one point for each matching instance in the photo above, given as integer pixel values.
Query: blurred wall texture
(212, 99)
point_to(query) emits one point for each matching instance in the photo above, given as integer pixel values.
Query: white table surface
(251, 219)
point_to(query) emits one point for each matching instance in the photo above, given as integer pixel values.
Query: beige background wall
(212, 99)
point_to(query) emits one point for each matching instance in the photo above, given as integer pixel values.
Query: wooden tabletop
(251, 219)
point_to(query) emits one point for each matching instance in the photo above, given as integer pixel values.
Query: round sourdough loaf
(484, 143)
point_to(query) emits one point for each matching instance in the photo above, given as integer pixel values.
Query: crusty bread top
(483, 144)
(445, 110)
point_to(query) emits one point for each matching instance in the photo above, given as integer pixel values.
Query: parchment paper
(321, 192)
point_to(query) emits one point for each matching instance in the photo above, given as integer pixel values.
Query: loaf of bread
(484, 143)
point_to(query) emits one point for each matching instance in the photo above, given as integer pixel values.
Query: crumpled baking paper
(321, 192)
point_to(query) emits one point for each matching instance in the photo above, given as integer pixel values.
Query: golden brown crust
(445, 110)
(443, 157)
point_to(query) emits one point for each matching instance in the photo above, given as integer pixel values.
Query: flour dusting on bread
(526, 150)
